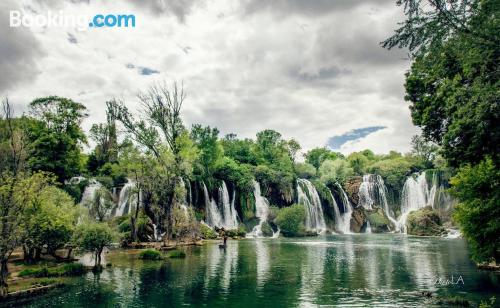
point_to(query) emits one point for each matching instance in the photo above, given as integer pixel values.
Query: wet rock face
(424, 222)
(378, 221)
(357, 220)
(352, 189)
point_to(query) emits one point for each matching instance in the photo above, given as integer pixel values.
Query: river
(372, 270)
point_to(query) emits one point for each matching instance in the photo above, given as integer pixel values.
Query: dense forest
(149, 177)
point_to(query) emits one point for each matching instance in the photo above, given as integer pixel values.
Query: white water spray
(315, 221)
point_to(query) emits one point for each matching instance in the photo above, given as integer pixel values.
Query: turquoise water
(345, 270)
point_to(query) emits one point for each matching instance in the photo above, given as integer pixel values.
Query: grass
(177, 254)
(68, 269)
(150, 254)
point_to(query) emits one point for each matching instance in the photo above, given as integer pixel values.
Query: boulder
(424, 222)
(378, 221)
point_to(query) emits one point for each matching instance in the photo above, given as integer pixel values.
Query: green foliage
(56, 136)
(101, 204)
(207, 232)
(239, 174)
(290, 220)
(305, 170)
(478, 213)
(50, 220)
(93, 237)
(358, 162)
(150, 254)
(332, 171)
(68, 269)
(453, 82)
(242, 151)
(211, 151)
(177, 254)
(424, 222)
(393, 170)
(317, 156)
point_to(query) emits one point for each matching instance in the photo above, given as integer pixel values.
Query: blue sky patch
(335, 142)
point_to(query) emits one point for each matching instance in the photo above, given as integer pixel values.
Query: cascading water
(214, 217)
(417, 194)
(373, 191)
(345, 219)
(90, 191)
(368, 228)
(227, 218)
(127, 199)
(315, 221)
(230, 218)
(261, 210)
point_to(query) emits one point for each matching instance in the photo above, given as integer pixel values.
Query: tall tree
(57, 137)
(162, 133)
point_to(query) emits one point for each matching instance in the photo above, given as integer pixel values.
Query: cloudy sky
(312, 70)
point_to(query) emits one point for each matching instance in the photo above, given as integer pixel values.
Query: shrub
(150, 254)
(424, 222)
(177, 254)
(207, 232)
(291, 220)
(69, 269)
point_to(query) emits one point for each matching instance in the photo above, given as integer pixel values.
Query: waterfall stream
(345, 219)
(90, 191)
(261, 210)
(373, 191)
(315, 221)
(127, 199)
(224, 215)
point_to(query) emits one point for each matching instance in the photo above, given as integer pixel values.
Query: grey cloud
(72, 39)
(307, 8)
(19, 51)
(178, 8)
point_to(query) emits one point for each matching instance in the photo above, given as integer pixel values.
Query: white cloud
(308, 73)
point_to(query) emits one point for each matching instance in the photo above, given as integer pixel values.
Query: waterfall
(345, 218)
(90, 191)
(373, 191)
(315, 220)
(261, 210)
(227, 218)
(368, 228)
(127, 199)
(417, 194)
(214, 217)
(230, 217)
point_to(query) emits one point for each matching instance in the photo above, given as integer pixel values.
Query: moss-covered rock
(351, 187)
(378, 221)
(424, 222)
(266, 229)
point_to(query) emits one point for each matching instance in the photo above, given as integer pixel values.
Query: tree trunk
(70, 250)
(4, 271)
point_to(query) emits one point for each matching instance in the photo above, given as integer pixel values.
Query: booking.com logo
(80, 22)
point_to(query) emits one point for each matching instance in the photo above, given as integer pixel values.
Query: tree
(105, 137)
(94, 237)
(211, 151)
(291, 220)
(335, 171)
(317, 156)
(162, 133)
(453, 82)
(425, 150)
(358, 162)
(101, 204)
(478, 213)
(49, 222)
(305, 170)
(56, 136)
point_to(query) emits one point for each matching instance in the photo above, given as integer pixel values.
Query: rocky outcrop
(424, 222)
(378, 221)
(352, 188)
(357, 220)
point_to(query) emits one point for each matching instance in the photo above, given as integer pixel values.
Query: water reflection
(340, 270)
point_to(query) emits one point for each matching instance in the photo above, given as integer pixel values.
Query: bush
(266, 229)
(150, 254)
(305, 170)
(207, 232)
(177, 254)
(424, 222)
(291, 220)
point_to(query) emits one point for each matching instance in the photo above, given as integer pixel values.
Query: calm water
(348, 270)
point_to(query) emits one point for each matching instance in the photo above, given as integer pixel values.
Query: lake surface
(341, 270)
